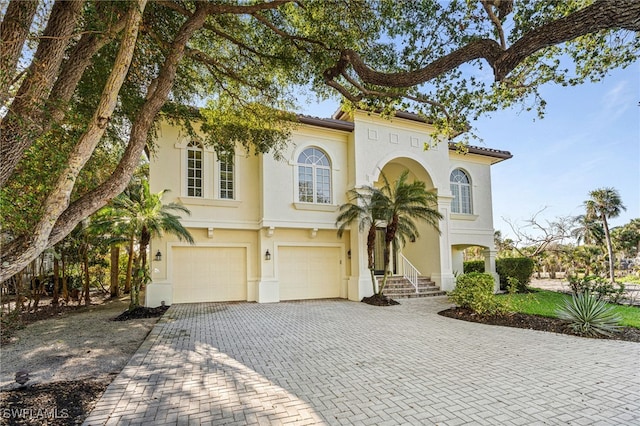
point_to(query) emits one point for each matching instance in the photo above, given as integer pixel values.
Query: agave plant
(589, 316)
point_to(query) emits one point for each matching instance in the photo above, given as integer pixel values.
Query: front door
(378, 254)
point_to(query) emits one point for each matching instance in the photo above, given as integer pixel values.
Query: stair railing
(409, 272)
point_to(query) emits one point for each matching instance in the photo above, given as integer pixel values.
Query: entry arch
(424, 253)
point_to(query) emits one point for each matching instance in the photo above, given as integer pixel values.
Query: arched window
(461, 190)
(194, 169)
(314, 177)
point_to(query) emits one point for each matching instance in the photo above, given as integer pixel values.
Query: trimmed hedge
(520, 268)
(473, 266)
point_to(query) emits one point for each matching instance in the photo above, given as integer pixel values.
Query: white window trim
(236, 187)
(184, 177)
(210, 178)
(296, 179)
(461, 215)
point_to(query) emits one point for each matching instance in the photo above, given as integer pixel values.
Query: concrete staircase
(400, 288)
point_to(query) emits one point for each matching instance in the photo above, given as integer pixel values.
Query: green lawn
(545, 303)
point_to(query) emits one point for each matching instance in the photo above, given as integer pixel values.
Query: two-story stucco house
(265, 229)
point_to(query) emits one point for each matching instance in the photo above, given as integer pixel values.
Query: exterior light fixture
(158, 256)
(349, 254)
(267, 255)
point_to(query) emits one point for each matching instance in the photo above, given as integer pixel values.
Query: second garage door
(209, 274)
(309, 272)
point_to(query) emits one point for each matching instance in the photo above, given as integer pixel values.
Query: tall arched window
(314, 177)
(461, 190)
(194, 169)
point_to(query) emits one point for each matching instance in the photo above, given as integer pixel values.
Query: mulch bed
(57, 403)
(141, 312)
(379, 300)
(532, 322)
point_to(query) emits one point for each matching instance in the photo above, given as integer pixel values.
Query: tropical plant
(362, 208)
(587, 259)
(626, 238)
(604, 204)
(588, 230)
(589, 316)
(400, 204)
(396, 207)
(597, 286)
(144, 216)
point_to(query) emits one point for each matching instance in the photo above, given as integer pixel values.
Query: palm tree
(400, 205)
(144, 216)
(589, 230)
(361, 208)
(605, 203)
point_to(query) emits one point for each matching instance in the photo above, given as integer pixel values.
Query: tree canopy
(83, 83)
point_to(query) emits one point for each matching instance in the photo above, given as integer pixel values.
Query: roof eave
(497, 154)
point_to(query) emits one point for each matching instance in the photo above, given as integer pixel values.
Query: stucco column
(268, 289)
(445, 278)
(490, 266)
(360, 280)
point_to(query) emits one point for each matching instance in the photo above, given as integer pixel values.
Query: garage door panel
(309, 272)
(209, 274)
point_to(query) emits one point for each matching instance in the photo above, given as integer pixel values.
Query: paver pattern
(337, 362)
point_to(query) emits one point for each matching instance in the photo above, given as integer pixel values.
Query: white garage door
(209, 274)
(309, 272)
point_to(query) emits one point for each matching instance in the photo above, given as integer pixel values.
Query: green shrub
(475, 291)
(473, 266)
(520, 268)
(599, 286)
(588, 315)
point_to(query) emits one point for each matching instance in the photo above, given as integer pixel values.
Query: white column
(360, 284)
(445, 278)
(490, 266)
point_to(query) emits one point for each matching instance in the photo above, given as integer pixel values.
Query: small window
(461, 191)
(194, 169)
(227, 181)
(314, 177)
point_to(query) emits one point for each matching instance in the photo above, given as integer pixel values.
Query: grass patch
(546, 303)
(629, 279)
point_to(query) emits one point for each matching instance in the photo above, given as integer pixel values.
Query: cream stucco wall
(266, 213)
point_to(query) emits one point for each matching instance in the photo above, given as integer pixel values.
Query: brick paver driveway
(340, 362)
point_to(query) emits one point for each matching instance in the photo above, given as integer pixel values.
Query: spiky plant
(589, 316)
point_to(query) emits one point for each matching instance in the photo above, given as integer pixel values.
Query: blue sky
(589, 139)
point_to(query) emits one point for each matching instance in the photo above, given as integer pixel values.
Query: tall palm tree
(589, 230)
(144, 216)
(605, 203)
(361, 208)
(400, 204)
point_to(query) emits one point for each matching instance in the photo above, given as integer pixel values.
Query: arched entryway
(424, 252)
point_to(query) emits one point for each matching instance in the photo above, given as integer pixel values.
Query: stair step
(407, 284)
(400, 288)
(414, 294)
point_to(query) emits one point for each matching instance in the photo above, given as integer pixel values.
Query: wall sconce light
(413, 238)
(158, 256)
(349, 254)
(267, 255)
